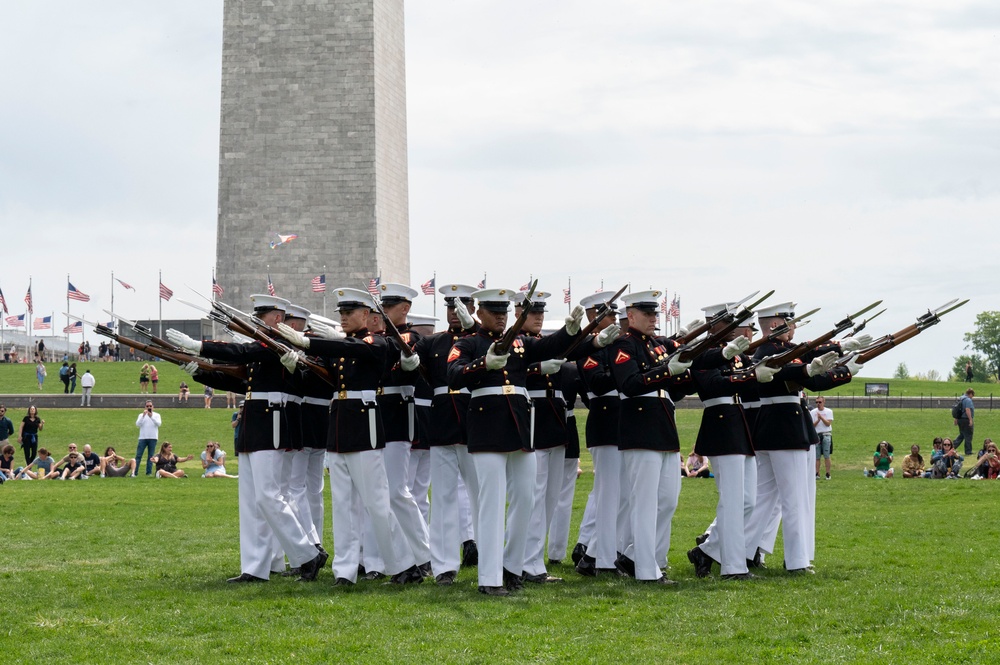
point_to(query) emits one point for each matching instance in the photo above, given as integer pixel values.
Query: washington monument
(313, 143)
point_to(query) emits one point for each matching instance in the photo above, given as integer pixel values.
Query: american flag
(3, 302)
(15, 321)
(566, 297)
(664, 307)
(525, 286)
(319, 284)
(74, 328)
(216, 288)
(428, 287)
(270, 286)
(27, 301)
(74, 293)
(482, 283)
(675, 308)
(127, 286)
(165, 293)
(43, 323)
(373, 285)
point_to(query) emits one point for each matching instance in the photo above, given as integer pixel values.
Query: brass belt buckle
(508, 390)
(661, 393)
(342, 394)
(454, 392)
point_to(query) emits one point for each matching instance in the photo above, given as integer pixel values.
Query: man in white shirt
(822, 418)
(87, 382)
(148, 423)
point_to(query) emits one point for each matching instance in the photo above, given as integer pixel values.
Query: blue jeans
(965, 433)
(149, 445)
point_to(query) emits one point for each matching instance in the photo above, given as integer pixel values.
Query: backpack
(958, 411)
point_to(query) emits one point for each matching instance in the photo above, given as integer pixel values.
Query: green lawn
(123, 570)
(112, 378)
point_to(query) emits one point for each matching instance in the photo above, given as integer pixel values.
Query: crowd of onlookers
(945, 462)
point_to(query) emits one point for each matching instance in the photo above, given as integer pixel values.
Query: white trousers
(780, 484)
(364, 473)
(419, 480)
(624, 533)
(736, 480)
(607, 504)
(449, 466)
(654, 488)
(306, 489)
(588, 523)
(559, 524)
(510, 476)
(548, 486)
(810, 525)
(265, 515)
(411, 521)
(468, 502)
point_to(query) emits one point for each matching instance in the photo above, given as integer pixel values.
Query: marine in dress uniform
(498, 431)
(263, 508)
(356, 441)
(782, 438)
(419, 467)
(569, 384)
(647, 433)
(445, 434)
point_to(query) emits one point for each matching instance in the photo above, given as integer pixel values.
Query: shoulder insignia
(622, 357)
(406, 337)
(369, 339)
(590, 363)
(454, 354)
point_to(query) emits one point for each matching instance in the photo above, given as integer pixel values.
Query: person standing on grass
(40, 373)
(31, 425)
(144, 379)
(148, 423)
(154, 376)
(6, 426)
(72, 378)
(965, 423)
(87, 382)
(822, 418)
(64, 377)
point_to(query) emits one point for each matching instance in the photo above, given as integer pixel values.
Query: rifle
(697, 331)
(687, 354)
(501, 347)
(932, 317)
(143, 331)
(393, 332)
(799, 350)
(861, 326)
(778, 332)
(603, 311)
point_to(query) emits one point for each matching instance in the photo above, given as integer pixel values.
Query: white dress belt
(656, 394)
(781, 399)
(443, 390)
(366, 396)
(273, 398)
(294, 399)
(751, 405)
(500, 390)
(719, 401)
(544, 394)
(405, 391)
(422, 402)
(569, 413)
(318, 401)
(610, 393)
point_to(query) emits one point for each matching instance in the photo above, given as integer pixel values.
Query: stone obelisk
(313, 143)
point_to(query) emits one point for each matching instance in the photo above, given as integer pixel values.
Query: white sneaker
(84, 476)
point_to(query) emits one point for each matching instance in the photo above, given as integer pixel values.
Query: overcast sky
(838, 153)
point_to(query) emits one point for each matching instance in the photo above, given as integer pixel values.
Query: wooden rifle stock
(176, 357)
(255, 332)
(503, 346)
(603, 312)
(886, 343)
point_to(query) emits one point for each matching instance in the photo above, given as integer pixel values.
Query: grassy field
(123, 570)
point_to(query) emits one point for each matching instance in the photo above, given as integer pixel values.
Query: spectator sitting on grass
(213, 460)
(7, 470)
(695, 466)
(74, 468)
(882, 461)
(166, 462)
(116, 466)
(982, 451)
(949, 463)
(183, 392)
(988, 465)
(45, 465)
(92, 461)
(913, 464)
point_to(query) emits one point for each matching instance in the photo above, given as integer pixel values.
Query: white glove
(573, 320)
(552, 366)
(855, 343)
(291, 360)
(409, 363)
(676, 367)
(853, 366)
(823, 364)
(608, 335)
(735, 347)
(764, 373)
(494, 361)
(324, 331)
(691, 326)
(293, 336)
(190, 367)
(177, 338)
(464, 318)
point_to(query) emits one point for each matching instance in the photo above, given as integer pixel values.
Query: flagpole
(434, 281)
(112, 290)
(569, 294)
(159, 294)
(324, 290)
(215, 297)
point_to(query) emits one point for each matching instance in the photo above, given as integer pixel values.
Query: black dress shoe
(702, 562)
(609, 571)
(663, 580)
(324, 556)
(555, 562)
(310, 569)
(494, 591)
(246, 578)
(756, 561)
(579, 550)
(446, 578)
(373, 575)
(542, 578)
(699, 539)
(425, 569)
(587, 566)
(361, 571)
(343, 581)
(511, 581)
(411, 575)
(740, 576)
(802, 571)
(291, 572)
(625, 565)
(470, 553)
